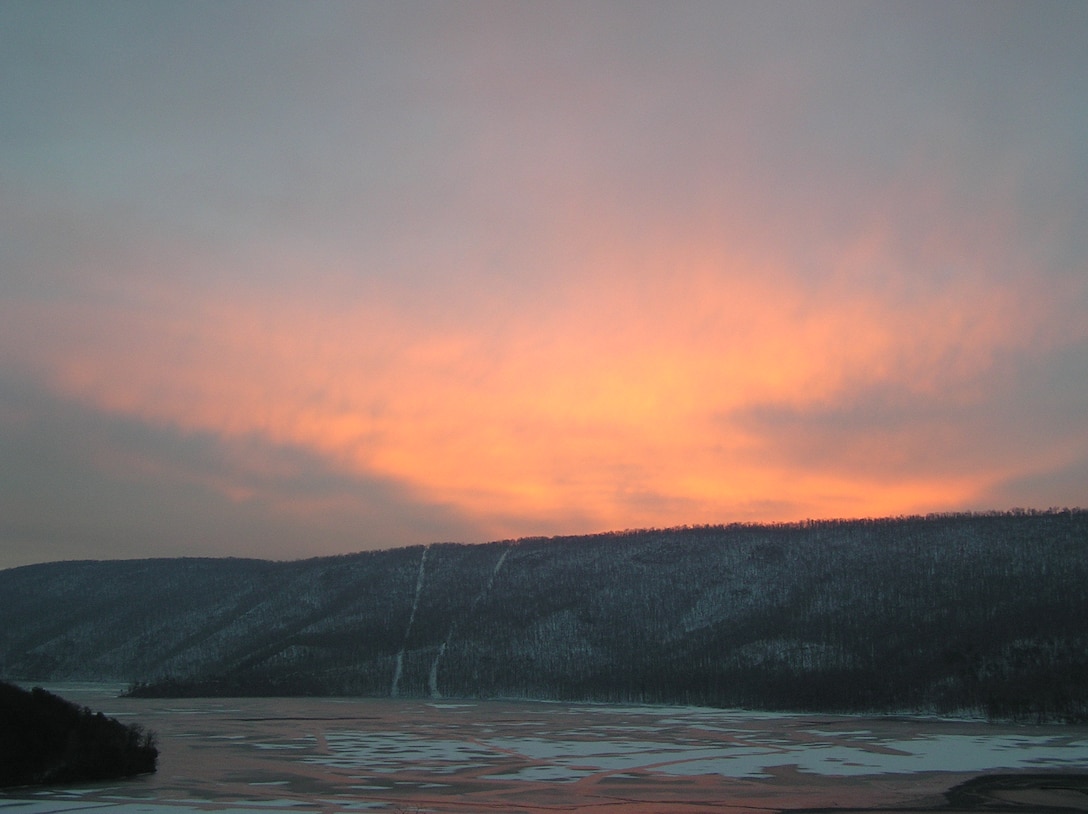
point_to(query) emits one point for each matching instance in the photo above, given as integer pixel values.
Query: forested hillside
(944, 614)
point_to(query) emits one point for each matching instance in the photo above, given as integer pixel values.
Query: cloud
(965, 444)
(78, 483)
(634, 397)
(519, 272)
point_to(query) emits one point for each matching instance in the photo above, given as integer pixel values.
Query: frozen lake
(340, 755)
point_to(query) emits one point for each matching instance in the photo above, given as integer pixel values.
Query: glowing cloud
(600, 267)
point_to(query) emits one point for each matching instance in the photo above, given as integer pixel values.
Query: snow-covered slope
(941, 613)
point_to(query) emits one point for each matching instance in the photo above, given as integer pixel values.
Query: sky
(284, 279)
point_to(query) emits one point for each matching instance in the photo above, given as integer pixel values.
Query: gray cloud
(78, 483)
(1025, 414)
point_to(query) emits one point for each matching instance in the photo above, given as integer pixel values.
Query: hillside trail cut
(432, 681)
(394, 690)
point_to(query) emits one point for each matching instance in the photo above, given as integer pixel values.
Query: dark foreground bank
(45, 739)
(1054, 793)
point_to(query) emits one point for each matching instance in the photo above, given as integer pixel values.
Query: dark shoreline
(1035, 792)
(49, 741)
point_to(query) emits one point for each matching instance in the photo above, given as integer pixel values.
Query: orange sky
(601, 288)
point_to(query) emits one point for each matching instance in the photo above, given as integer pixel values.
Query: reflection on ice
(339, 755)
(386, 752)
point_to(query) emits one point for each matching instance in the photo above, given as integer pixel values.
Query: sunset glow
(536, 281)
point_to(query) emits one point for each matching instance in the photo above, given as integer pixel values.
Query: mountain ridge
(983, 612)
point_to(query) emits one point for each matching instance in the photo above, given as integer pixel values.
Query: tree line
(944, 613)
